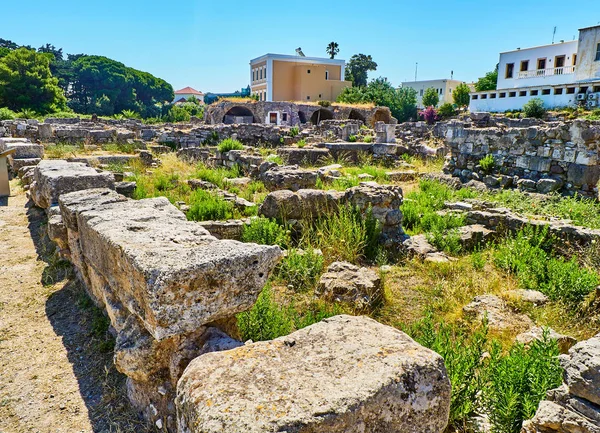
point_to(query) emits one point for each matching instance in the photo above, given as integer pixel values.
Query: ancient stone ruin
(171, 291)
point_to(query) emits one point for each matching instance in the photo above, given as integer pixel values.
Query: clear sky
(208, 44)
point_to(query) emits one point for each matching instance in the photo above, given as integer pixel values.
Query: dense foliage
(431, 98)
(357, 69)
(46, 81)
(461, 95)
(488, 82)
(402, 102)
(27, 83)
(534, 108)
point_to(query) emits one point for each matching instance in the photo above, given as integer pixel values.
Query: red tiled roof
(188, 91)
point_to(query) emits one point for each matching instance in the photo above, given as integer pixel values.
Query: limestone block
(52, 178)
(344, 282)
(582, 369)
(500, 316)
(289, 177)
(564, 342)
(344, 374)
(551, 417)
(23, 150)
(167, 271)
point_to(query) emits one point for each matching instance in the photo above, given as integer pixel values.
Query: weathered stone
(344, 282)
(582, 369)
(172, 274)
(537, 333)
(553, 418)
(530, 296)
(500, 317)
(289, 177)
(546, 186)
(321, 378)
(125, 188)
(52, 178)
(474, 235)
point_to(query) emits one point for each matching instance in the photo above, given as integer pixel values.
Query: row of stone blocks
(172, 291)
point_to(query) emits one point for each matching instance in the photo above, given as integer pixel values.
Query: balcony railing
(536, 73)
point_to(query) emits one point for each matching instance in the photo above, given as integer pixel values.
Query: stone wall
(554, 155)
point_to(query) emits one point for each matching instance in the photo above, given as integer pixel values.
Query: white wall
(500, 105)
(549, 52)
(587, 66)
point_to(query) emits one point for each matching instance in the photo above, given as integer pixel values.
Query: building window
(541, 65)
(558, 91)
(327, 75)
(524, 65)
(559, 61)
(596, 89)
(510, 67)
(484, 96)
(261, 73)
(570, 90)
(308, 71)
(284, 117)
(503, 94)
(450, 90)
(523, 93)
(574, 59)
(597, 53)
(308, 98)
(421, 94)
(512, 94)
(583, 89)
(320, 95)
(534, 93)
(473, 97)
(493, 96)
(545, 91)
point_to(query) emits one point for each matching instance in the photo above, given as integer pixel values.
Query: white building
(443, 88)
(562, 74)
(186, 93)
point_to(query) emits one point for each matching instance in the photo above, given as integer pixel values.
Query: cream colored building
(443, 88)
(277, 77)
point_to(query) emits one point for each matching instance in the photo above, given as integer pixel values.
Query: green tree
(489, 82)
(95, 78)
(461, 95)
(431, 98)
(401, 102)
(27, 83)
(358, 67)
(333, 49)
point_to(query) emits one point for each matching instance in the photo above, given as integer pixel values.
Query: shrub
(7, 114)
(478, 260)
(294, 131)
(301, 143)
(265, 231)
(443, 239)
(518, 381)
(463, 357)
(446, 110)
(205, 206)
(230, 144)
(368, 139)
(268, 320)
(345, 235)
(177, 114)
(431, 98)
(429, 115)
(301, 269)
(352, 138)
(487, 164)
(526, 255)
(534, 108)
(26, 113)
(324, 103)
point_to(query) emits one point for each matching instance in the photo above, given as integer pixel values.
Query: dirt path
(56, 370)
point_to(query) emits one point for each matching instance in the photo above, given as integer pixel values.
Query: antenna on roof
(553, 34)
(451, 75)
(299, 52)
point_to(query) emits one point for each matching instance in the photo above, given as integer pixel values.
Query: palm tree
(333, 49)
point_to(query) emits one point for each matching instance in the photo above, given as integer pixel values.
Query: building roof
(541, 46)
(590, 27)
(188, 91)
(298, 59)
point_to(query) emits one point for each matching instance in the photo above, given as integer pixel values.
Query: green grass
(528, 255)
(206, 205)
(265, 231)
(229, 144)
(507, 385)
(301, 269)
(217, 176)
(420, 208)
(269, 319)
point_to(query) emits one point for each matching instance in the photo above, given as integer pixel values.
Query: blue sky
(208, 44)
